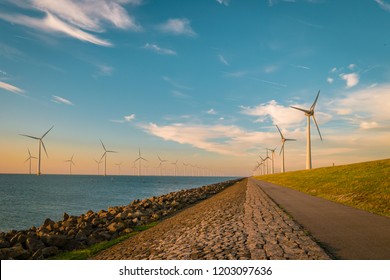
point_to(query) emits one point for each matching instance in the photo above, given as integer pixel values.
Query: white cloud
(271, 69)
(383, 5)
(129, 118)
(11, 88)
(352, 66)
(223, 60)
(77, 18)
(221, 139)
(368, 125)
(175, 84)
(211, 112)
(61, 100)
(155, 48)
(330, 80)
(223, 2)
(351, 79)
(178, 26)
(105, 70)
(280, 115)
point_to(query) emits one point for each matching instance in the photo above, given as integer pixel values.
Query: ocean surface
(27, 200)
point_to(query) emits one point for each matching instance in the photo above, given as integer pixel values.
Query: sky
(198, 82)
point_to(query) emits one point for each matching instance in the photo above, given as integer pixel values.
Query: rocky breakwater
(77, 232)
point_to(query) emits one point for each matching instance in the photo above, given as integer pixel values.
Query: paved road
(345, 232)
(239, 223)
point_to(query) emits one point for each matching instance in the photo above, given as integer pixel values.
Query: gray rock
(34, 244)
(49, 251)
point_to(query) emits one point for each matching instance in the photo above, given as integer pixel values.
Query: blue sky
(202, 82)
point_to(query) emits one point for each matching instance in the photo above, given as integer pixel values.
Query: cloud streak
(155, 48)
(77, 19)
(61, 100)
(11, 88)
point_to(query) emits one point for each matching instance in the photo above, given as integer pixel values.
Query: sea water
(27, 200)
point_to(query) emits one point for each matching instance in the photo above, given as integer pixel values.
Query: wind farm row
(262, 167)
(138, 167)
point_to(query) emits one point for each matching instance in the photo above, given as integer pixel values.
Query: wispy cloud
(125, 119)
(175, 83)
(178, 26)
(223, 60)
(224, 2)
(61, 100)
(273, 83)
(236, 74)
(77, 18)
(11, 88)
(351, 79)
(211, 112)
(301, 67)
(155, 48)
(383, 5)
(221, 139)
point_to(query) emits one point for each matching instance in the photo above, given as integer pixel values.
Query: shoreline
(78, 232)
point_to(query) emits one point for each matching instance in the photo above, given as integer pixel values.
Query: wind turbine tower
(105, 157)
(40, 144)
(70, 164)
(139, 159)
(98, 163)
(282, 149)
(30, 157)
(161, 163)
(272, 160)
(309, 113)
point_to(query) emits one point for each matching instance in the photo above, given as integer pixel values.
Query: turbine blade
(111, 151)
(33, 137)
(43, 145)
(281, 149)
(103, 145)
(315, 101)
(303, 110)
(47, 132)
(291, 139)
(318, 129)
(281, 135)
(27, 159)
(103, 156)
(29, 152)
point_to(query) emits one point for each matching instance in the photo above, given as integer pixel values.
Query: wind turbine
(119, 167)
(40, 141)
(139, 161)
(29, 159)
(161, 162)
(98, 163)
(105, 157)
(272, 159)
(282, 149)
(175, 164)
(70, 164)
(309, 113)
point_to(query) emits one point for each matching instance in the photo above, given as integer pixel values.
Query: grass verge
(84, 254)
(362, 185)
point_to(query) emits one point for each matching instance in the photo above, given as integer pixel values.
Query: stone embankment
(77, 232)
(239, 223)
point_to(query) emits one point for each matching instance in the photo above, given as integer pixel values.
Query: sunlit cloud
(351, 79)
(276, 113)
(177, 26)
(211, 112)
(61, 100)
(383, 5)
(77, 18)
(155, 48)
(330, 80)
(220, 139)
(126, 119)
(11, 88)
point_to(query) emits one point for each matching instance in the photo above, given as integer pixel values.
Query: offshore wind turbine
(309, 113)
(119, 167)
(98, 163)
(105, 157)
(139, 159)
(30, 157)
(161, 162)
(70, 164)
(175, 164)
(282, 149)
(40, 144)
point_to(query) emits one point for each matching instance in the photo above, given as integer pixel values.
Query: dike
(78, 232)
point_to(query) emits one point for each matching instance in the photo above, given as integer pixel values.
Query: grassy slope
(362, 185)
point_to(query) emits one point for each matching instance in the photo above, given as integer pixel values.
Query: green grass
(84, 254)
(362, 185)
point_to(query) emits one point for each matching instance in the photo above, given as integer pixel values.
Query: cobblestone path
(241, 222)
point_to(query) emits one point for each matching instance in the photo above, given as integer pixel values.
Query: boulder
(49, 251)
(33, 244)
(55, 240)
(116, 226)
(4, 243)
(17, 252)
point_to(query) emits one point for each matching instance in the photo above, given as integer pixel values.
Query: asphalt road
(344, 232)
